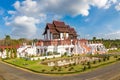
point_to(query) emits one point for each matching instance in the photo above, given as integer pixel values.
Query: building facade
(59, 30)
(60, 38)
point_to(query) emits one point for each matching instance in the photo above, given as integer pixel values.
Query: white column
(61, 36)
(51, 36)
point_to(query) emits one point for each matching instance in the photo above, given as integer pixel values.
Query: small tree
(89, 66)
(65, 54)
(104, 59)
(15, 53)
(54, 68)
(7, 53)
(88, 63)
(115, 56)
(99, 60)
(94, 62)
(84, 68)
(11, 52)
(59, 69)
(71, 68)
(43, 70)
(108, 58)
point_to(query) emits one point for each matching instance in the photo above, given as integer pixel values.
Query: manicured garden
(36, 66)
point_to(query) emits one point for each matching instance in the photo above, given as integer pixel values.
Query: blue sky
(27, 18)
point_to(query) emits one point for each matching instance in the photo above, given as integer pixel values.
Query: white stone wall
(77, 49)
(50, 48)
(3, 54)
(67, 35)
(27, 49)
(94, 47)
(31, 51)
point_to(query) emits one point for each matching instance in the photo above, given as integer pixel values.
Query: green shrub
(74, 64)
(43, 70)
(99, 60)
(71, 68)
(54, 68)
(94, 62)
(108, 58)
(104, 59)
(59, 69)
(89, 66)
(118, 59)
(83, 63)
(116, 56)
(88, 63)
(84, 68)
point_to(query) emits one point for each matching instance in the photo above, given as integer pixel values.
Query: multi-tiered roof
(60, 27)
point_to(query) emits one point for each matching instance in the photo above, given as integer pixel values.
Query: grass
(36, 66)
(114, 51)
(32, 65)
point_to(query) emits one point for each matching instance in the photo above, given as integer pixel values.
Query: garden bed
(36, 66)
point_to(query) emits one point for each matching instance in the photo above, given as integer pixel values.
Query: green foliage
(65, 54)
(84, 68)
(43, 70)
(108, 43)
(88, 63)
(49, 53)
(8, 41)
(89, 66)
(7, 37)
(104, 59)
(7, 53)
(94, 39)
(99, 60)
(71, 68)
(60, 69)
(94, 62)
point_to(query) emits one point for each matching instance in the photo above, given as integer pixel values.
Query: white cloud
(112, 35)
(117, 7)
(23, 25)
(12, 12)
(99, 3)
(29, 13)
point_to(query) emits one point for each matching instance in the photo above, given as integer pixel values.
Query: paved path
(111, 72)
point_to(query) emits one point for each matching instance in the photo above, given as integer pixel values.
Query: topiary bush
(94, 62)
(84, 68)
(71, 68)
(99, 60)
(43, 70)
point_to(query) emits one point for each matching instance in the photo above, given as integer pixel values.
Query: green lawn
(36, 66)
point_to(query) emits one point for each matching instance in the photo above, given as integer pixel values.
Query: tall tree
(7, 40)
(94, 39)
(7, 37)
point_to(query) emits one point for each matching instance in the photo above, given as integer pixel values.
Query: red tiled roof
(62, 29)
(52, 28)
(71, 30)
(56, 27)
(3, 47)
(58, 23)
(83, 40)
